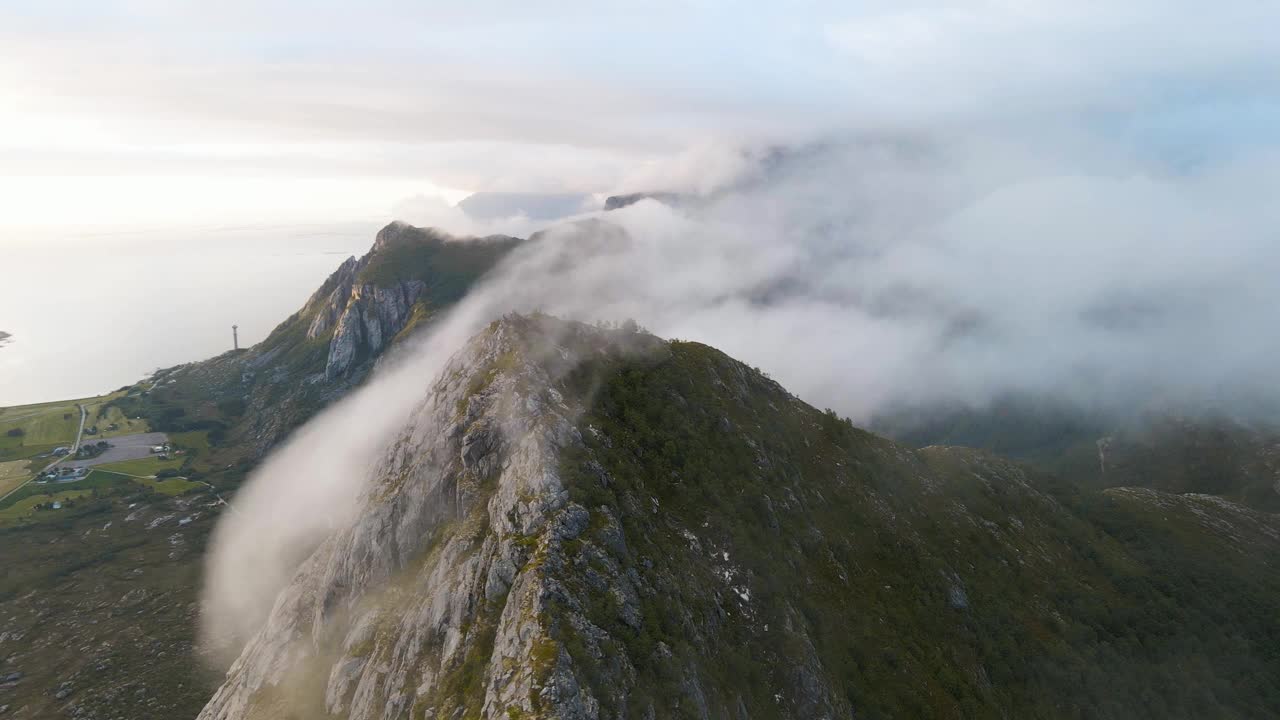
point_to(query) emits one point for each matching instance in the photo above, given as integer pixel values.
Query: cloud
(902, 205)
(1028, 57)
(572, 97)
(434, 211)
(868, 272)
(863, 274)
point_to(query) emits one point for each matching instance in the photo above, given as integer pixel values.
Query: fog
(864, 273)
(876, 271)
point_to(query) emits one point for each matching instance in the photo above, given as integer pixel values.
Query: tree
(16, 432)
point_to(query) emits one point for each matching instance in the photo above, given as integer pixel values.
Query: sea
(89, 311)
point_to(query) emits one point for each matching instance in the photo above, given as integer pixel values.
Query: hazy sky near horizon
(135, 112)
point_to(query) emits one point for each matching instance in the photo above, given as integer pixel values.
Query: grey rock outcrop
(329, 302)
(359, 318)
(437, 598)
(594, 524)
(370, 319)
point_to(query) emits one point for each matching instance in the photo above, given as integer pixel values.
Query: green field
(43, 423)
(172, 486)
(103, 417)
(45, 426)
(91, 482)
(26, 507)
(12, 474)
(143, 467)
(20, 506)
(191, 440)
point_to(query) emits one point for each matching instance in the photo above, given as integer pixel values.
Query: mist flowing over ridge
(870, 272)
(575, 521)
(861, 274)
(634, 361)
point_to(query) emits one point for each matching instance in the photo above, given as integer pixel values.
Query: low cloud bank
(863, 274)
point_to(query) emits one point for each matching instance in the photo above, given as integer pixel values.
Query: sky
(971, 176)
(141, 112)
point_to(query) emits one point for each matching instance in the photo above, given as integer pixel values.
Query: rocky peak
(588, 523)
(399, 232)
(439, 573)
(370, 317)
(330, 300)
(367, 302)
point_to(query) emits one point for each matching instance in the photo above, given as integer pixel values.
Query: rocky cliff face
(255, 397)
(361, 318)
(589, 523)
(435, 598)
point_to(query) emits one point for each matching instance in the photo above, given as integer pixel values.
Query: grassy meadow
(143, 467)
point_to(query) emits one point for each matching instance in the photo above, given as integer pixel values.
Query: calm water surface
(90, 312)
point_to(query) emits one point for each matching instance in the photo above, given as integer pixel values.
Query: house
(57, 505)
(68, 474)
(60, 451)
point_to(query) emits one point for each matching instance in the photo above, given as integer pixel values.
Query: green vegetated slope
(721, 549)
(789, 550)
(1205, 453)
(98, 598)
(795, 564)
(448, 265)
(40, 424)
(250, 399)
(98, 610)
(101, 595)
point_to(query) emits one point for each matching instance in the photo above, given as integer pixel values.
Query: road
(83, 414)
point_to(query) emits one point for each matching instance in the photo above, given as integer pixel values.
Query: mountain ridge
(595, 523)
(253, 398)
(906, 582)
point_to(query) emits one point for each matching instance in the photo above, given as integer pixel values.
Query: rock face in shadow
(583, 522)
